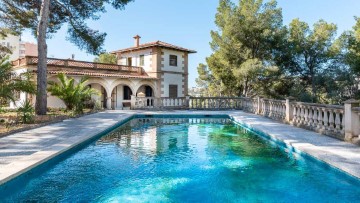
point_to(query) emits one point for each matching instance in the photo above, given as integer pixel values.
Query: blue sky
(187, 23)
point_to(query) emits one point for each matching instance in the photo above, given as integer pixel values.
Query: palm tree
(72, 95)
(10, 83)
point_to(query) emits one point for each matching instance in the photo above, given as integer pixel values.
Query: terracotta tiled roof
(99, 74)
(154, 44)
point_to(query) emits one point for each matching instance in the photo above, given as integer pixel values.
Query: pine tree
(243, 44)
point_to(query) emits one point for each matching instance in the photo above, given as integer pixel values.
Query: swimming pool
(184, 160)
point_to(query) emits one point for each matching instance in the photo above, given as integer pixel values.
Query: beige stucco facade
(148, 70)
(115, 84)
(155, 59)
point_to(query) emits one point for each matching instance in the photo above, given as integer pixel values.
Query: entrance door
(129, 61)
(173, 91)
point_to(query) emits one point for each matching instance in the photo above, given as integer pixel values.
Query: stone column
(258, 105)
(133, 101)
(187, 102)
(108, 103)
(289, 110)
(352, 125)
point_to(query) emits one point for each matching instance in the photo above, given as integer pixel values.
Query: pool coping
(262, 126)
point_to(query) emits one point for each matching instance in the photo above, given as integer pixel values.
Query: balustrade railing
(250, 104)
(210, 103)
(68, 63)
(144, 102)
(271, 108)
(342, 122)
(215, 103)
(168, 102)
(163, 102)
(327, 119)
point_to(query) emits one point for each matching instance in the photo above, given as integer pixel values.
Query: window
(127, 93)
(173, 60)
(173, 91)
(129, 61)
(142, 60)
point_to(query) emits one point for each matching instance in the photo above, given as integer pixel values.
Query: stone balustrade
(215, 103)
(172, 102)
(326, 119)
(143, 102)
(153, 102)
(275, 109)
(249, 104)
(340, 121)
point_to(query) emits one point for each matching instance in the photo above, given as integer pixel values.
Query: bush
(26, 112)
(73, 95)
(98, 106)
(90, 104)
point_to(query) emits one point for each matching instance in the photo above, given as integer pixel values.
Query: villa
(155, 69)
(243, 152)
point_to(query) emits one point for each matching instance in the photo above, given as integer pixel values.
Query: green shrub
(26, 112)
(73, 95)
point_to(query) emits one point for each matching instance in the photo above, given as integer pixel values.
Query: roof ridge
(154, 43)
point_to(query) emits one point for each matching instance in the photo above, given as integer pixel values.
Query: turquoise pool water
(184, 160)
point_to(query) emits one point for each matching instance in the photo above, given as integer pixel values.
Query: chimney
(137, 40)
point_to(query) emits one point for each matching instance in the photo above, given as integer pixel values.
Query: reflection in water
(146, 135)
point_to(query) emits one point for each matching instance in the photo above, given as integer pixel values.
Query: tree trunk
(313, 87)
(245, 90)
(41, 96)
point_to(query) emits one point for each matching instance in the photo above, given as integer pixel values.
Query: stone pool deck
(23, 151)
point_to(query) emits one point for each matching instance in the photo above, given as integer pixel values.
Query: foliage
(309, 52)
(26, 112)
(4, 51)
(73, 95)
(350, 42)
(17, 15)
(208, 85)
(106, 58)
(46, 17)
(97, 106)
(11, 83)
(255, 55)
(244, 43)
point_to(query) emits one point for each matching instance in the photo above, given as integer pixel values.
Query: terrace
(79, 67)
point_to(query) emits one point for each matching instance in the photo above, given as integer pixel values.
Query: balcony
(60, 64)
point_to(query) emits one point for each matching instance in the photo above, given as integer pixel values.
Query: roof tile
(154, 44)
(99, 74)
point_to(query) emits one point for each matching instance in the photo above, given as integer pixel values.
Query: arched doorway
(100, 99)
(145, 90)
(121, 97)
